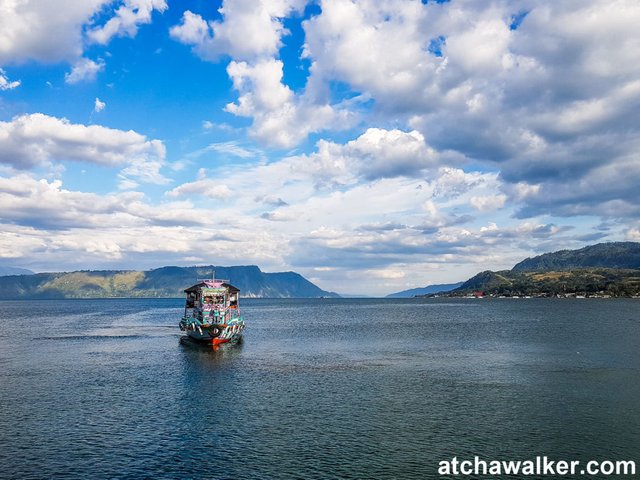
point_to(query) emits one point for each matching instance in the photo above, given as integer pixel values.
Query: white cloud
(48, 226)
(388, 153)
(99, 105)
(377, 153)
(546, 102)
(386, 273)
(84, 70)
(144, 168)
(126, 20)
(234, 148)
(545, 114)
(251, 33)
(633, 235)
(488, 203)
(5, 83)
(203, 186)
(44, 31)
(193, 30)
(38, 203)
(453, 182)
(483, 46)
(208, 125)
(37, 139)
(250, 29)
(375, 46)
(279, 216)
(280, 118)
(52, 32)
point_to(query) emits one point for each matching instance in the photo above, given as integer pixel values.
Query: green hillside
(587, 281)
(160, 282)
(602, 255)
(606, 270)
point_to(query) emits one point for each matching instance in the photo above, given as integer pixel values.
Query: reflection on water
(213, 352)
(319, 388)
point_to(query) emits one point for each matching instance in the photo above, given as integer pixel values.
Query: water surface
(320, 388)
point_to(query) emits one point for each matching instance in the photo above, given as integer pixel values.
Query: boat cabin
(212, 302)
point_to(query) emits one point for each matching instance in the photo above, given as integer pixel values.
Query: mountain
(612, 282)
(4, 271)
(601, 255)
(160, 282)
(429, 289)
(605, 269)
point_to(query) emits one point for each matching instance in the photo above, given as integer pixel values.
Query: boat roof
(212, 284)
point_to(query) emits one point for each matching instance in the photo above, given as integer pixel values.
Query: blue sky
(370, 146)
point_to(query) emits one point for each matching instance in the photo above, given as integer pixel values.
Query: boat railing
(213, 280)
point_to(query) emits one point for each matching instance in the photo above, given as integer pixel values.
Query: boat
(212, 313)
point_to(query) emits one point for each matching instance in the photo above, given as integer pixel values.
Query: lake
(320, 388)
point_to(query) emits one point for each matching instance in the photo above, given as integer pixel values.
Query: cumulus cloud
(84, 70)
(52, 32)
(488, 203)
(193, 30)
(278, 216)
(404, 248)
(271, 200)
(144, 168)
(377, 153)
(99, 105)
(249, 29)
(608, 191)
(5, 83)
(45, 225)
(36, 139)
(280, 117)
(633, 234)
(126, 20)
(39, 203)
(548, 100)
(469, 107)
(44, 31)
(389, 153)
(203, 186)
(251, 32)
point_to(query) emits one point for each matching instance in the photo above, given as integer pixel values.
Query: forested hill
(601, 255)
(605, 269)
(161, 282)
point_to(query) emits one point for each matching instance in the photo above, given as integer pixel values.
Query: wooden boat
(212, 313)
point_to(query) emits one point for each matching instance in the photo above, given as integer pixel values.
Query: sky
(372, 146)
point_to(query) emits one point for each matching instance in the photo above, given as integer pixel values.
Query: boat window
(208, 299)
(191, 300)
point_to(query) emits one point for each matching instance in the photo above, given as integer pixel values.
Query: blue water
(319, 388)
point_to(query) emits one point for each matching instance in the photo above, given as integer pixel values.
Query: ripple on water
(319, 388)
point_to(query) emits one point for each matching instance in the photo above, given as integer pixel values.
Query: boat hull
(213, 334)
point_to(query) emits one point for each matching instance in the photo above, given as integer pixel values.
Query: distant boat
(212, 313)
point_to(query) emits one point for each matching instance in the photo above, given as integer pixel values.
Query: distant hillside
(605, 269)
(429, 289)
(4, 271)
(602, 255)
(614, 282)
(161, 282)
